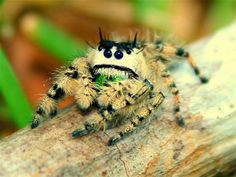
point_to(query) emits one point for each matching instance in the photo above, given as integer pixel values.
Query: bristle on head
(135, 39)
(100, 34)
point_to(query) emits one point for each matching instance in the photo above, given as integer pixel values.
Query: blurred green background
(38, 36)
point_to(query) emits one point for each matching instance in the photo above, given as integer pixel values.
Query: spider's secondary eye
(100, 47)
(107, 53)
(128, 52)
(118, 54)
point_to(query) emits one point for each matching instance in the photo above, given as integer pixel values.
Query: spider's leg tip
(74, 134)
(112, 141)
(34, 124)
(78, 133)
(180, 121)
(204, 80)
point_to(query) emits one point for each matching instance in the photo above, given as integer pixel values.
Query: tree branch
(205, 146)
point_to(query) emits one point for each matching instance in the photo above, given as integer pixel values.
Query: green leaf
(1, 2)
(19, 109)
(52, 40)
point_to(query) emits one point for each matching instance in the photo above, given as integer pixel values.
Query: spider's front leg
(140, 115)
(169, 82)
(124, 93)
(111, 99)
(167, 50)
(93, 124)
(76, 80)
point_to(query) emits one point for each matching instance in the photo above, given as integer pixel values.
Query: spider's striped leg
(182, 53)
(168, 50)
(168, 80)
(65, 84)
(138, 118)
(122, 94)
(91, 125)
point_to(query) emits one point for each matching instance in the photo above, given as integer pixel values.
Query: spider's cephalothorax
(122, 79)
(112, 58)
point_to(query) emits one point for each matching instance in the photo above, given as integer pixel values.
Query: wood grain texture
(206, 146)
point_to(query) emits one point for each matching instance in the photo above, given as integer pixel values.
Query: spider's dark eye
(118, 54)
(107, 53)
(100, 47)
(128, 52)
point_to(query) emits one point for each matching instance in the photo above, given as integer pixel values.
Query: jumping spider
(121, 79)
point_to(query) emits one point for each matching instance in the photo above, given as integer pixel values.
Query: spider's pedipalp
(122, 94)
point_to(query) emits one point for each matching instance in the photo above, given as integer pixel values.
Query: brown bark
(206, 146)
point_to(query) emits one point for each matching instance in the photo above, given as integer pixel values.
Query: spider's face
(111, 57)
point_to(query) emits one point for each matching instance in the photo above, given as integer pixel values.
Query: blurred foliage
(222, 13)
(53, 40)
(151, 11)
(12, 94)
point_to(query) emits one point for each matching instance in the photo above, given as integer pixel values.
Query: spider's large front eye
(107, 53)
(128, 51)
(118, 54)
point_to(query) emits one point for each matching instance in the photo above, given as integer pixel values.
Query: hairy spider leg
(91, 125)
(67, 81)
(168, 50)
(138, 118)
(110, 101)
(124, 93)
(168, 80)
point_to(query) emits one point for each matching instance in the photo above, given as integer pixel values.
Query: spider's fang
(130, 72)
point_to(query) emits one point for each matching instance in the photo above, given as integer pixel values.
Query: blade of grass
(4, 112)
(50, 38)
(19, 109)
(222, 13)
(152, 13)
(1, 2)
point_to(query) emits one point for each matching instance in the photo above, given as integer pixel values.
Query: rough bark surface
(206, 146)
